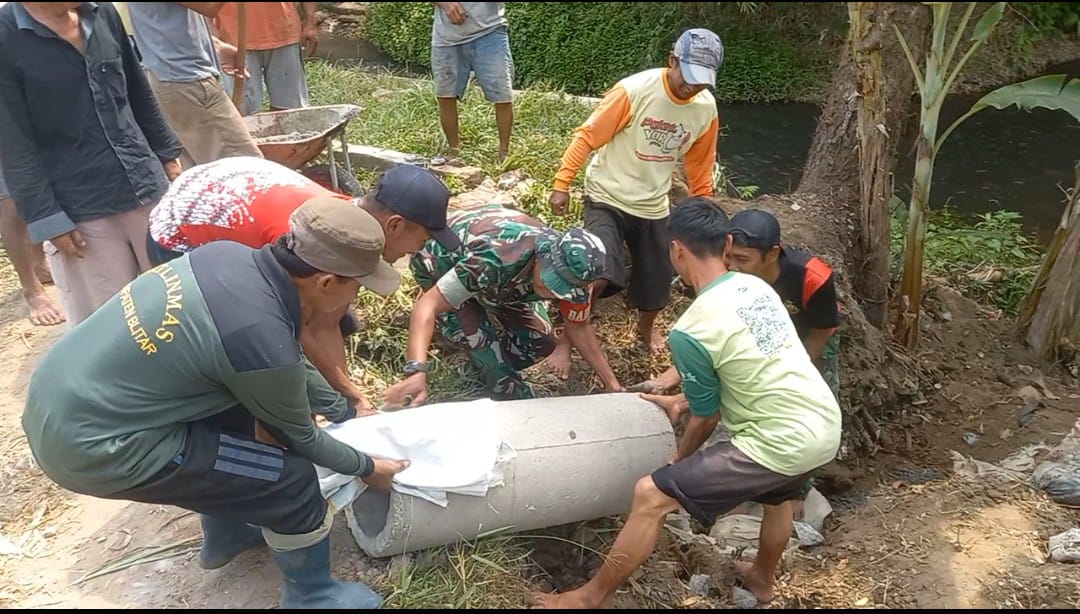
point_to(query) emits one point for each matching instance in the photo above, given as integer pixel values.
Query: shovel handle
(241, 56)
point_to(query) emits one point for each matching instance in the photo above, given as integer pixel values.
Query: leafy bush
(1050, 17)
(585, 48)
(990, 259)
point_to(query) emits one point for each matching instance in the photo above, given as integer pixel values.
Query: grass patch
(402, 114)
(491, 573)
(773, 51)
(990, 259)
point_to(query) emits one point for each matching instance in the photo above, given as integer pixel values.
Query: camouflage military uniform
(488, 282)
(830, 364)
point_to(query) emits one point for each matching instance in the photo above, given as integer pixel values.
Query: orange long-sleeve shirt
(639, 131)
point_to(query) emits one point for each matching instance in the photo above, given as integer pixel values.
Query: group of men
(196, 383)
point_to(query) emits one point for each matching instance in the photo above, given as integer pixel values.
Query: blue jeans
(488, 57)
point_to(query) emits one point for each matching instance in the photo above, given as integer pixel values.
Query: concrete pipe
(577, 459)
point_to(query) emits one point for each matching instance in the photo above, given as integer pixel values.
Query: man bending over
(741, 362)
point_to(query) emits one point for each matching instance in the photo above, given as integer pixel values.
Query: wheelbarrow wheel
(347, 184)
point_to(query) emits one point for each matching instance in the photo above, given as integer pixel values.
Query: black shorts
(648, 288)
(716, 480)
(224, 472)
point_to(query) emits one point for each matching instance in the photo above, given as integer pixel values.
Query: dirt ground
(906, 531)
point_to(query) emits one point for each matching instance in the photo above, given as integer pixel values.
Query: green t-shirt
(738, 353)
(109, 404)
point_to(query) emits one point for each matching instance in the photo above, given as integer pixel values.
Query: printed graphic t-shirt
(243, 199)
(640, 131)
(738, 354)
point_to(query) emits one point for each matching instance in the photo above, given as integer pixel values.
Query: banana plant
(1048, 92)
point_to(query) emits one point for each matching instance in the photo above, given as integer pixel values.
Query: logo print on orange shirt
(666, 136)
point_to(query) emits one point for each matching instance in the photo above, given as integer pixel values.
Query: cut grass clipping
(490, 572)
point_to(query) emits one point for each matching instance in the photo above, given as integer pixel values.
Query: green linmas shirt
(109, 404)
(738, 353)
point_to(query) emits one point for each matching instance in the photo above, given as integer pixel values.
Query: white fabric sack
(452, 447)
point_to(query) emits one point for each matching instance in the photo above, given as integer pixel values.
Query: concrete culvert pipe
(577, 458)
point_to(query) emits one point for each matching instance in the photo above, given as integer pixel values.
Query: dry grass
(377, 352)
(956, 543)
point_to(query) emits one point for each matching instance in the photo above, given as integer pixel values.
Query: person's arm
(21, 164)
(662, 383)
(278, 397)
(701, 160)
(144, 105)
(815, 343)
(701, 386)
(209, 9)
(609, 118)
(471, 275)
(822, 309)
(454, 12)
(324, 400)
(325, 348)
(309, 33)
(582, 335)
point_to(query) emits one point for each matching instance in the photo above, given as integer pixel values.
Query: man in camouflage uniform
(491, 294)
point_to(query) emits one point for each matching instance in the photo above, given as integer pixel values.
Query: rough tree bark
(854, 150)
(1051, 313)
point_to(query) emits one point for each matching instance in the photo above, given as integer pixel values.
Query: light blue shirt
(174, 41)
(483, 18)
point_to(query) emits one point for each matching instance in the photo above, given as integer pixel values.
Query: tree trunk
(864, 119)
(1051, 313)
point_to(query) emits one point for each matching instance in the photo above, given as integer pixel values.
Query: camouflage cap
(570, 262)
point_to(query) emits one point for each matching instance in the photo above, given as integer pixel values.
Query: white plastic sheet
(450, 451)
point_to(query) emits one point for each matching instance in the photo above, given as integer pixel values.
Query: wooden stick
(241, 56)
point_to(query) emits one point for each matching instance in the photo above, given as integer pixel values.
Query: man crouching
(154, 397)
(741, 361)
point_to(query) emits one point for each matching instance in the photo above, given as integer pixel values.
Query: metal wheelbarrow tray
(294, 137)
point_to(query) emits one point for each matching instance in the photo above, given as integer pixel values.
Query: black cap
(419, 196)
(758, 228)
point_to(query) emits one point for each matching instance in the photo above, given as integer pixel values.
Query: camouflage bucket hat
(570, 262)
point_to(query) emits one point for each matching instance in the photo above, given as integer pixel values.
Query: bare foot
(43, 312)
(559, 361)
(653, 340)
(753, 582)
(503, 155)
(574, 600)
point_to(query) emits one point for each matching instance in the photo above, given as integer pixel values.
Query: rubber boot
(224, 539)
(308, 584)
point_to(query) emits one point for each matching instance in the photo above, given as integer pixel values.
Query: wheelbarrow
(295, 137)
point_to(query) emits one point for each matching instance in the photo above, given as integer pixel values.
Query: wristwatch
(412, 367)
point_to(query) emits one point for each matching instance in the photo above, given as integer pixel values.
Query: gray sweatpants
(282, 72)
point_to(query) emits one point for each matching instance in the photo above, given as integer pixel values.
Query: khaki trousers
(204, 119)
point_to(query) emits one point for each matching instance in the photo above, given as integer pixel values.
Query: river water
(1011, 159)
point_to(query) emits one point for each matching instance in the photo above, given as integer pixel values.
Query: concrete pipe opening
(371, 510)
(575, 459)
